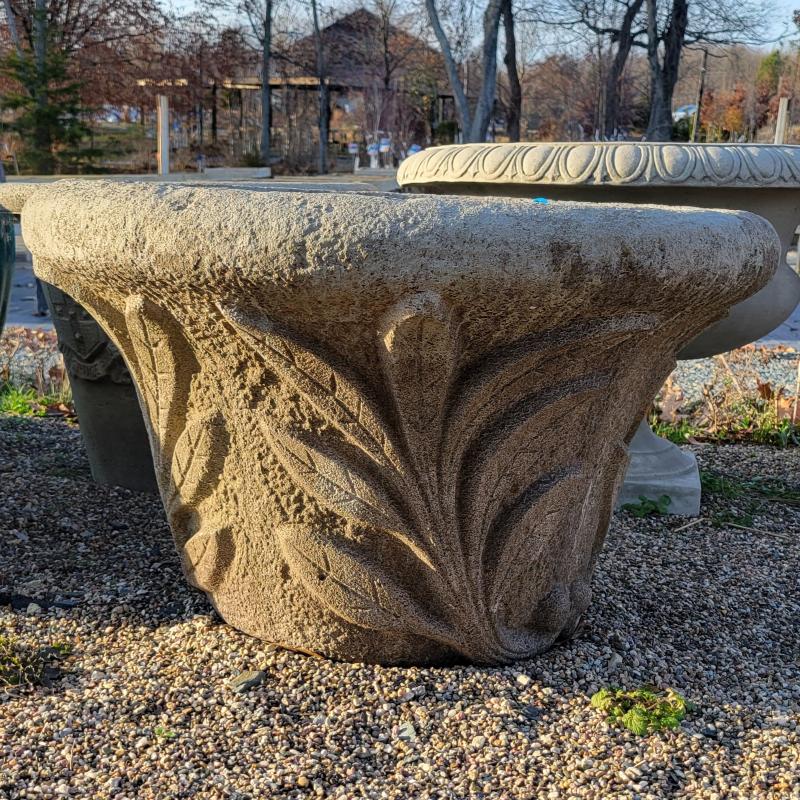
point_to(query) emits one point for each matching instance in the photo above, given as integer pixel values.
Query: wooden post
(162, 134)
(699, 103)
(783, 119)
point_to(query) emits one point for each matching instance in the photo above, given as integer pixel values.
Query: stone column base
(659, 467)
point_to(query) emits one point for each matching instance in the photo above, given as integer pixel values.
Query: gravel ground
(143, 707)
(777, 366)
(28, 356)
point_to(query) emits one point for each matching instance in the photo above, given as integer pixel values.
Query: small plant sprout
(647, 507)
(19, 665)
(642, 711)
(164, 733)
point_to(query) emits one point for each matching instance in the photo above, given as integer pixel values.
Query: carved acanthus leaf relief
(601, 163)
(348, 580)
(188, 451)
(455, 469)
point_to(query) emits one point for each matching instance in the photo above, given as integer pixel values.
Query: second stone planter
(764, 179)
(390, 428)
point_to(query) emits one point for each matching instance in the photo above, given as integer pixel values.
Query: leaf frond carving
(340, 485)
(193, 471)
(419, 351)
(509, 453)
(207, 556)
(346, 580)
(513, 370)
(157, 363)
(526, 516)
(334, 395)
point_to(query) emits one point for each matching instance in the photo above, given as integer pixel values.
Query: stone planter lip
(618, 164)
(14, 194)
(142, 233)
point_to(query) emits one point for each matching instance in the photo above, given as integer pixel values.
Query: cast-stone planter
(389, 428)
(7, 254)
(764, 179)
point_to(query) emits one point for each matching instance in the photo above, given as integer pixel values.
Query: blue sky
(783, 16)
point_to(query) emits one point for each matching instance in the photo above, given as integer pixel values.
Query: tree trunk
(240, 126)
(323, 114)
(617, 68)
(700, 91)
(266, 94)
(514, 86)
(13, 32)
(664, 69)
(485, 106)
(460, 96)
(42, 136)
(214, 112)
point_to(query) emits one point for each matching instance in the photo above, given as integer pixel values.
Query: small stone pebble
(614, 662)
(247, 680)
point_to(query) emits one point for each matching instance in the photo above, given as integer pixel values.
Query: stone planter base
(659, 467)
(6, 262)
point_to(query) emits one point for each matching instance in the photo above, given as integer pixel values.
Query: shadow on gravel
(71, 542)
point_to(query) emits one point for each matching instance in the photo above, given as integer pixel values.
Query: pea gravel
(145, 706)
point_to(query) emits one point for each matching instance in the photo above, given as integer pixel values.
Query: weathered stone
(389, 428)
(760, 178)
(247, 680)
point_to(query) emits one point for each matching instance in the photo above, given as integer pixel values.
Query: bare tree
(260, 15)
(474, 124)
(616, 27)
(674, 24)
(663, 28)
(514, 110)
(323, 118)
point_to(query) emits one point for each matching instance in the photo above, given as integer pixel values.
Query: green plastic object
(7, 256)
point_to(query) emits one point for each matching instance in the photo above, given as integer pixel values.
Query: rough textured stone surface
(14, 195)
(389, 428)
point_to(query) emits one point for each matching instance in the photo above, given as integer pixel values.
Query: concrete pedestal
(659, 467)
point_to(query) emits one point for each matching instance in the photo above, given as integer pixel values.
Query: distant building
(384, 84)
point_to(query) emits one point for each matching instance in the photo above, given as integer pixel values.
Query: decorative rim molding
(607, 164)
